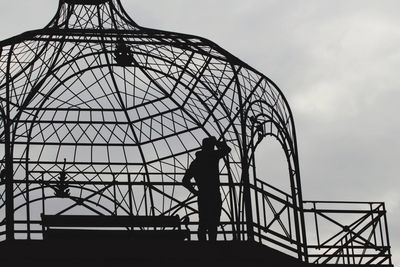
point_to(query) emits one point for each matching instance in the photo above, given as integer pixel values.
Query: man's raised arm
(223, 149)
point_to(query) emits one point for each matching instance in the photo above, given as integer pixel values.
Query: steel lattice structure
(103, 116)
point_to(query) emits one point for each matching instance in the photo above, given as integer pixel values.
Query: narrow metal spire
(92, 15)
(85, 2)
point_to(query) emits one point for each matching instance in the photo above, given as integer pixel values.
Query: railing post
(130, 195)
(43, 203)
(387, 234)
(256, 193)
(316, 225)
(115, 195)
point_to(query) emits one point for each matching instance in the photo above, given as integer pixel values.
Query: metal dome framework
(120, 110)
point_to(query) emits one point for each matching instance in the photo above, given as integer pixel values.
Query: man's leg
(212, 233)
(202, 233)
(202, 220)
(212, 223)
(214, 220)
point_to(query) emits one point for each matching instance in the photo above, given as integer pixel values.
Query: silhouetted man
(205, 171)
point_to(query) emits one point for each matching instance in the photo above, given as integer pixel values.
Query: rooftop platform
(120, 253)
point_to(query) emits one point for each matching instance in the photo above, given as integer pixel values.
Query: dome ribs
(127, 108)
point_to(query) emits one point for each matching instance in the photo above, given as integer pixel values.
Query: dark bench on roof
(112, 227)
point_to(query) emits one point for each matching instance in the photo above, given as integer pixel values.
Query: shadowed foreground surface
(117, 253)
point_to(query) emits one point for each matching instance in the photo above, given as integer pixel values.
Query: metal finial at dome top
(92, 14)
(85, 2)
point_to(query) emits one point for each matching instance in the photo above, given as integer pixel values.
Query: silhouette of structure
(127, 108)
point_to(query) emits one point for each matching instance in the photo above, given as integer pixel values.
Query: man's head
(209, 143)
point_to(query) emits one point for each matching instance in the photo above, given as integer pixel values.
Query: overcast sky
(337, 62)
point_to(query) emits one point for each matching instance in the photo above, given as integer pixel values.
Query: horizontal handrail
(340, 202)
(272, 187)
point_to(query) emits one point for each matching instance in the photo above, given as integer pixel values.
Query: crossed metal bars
(354, 233)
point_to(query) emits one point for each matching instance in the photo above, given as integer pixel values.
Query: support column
(245, 179)
(8, 159)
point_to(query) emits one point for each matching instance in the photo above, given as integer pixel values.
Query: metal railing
(352, 233)
(338, 232)
(274, 213)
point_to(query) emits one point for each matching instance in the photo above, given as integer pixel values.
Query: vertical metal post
(130, 194)
(234, 203)
(387, 235)
(8, 158)
(316, 225)
(256, 193)
(380, 225)
(28, 207)
(289, 217)
(353, 255)
(43, 203)
(297, 198)
(264, 208)
(115, 195)
(372, 219)
(245, 179)
(246, 192)
(256, 196)
(347, 249)
(145, 194)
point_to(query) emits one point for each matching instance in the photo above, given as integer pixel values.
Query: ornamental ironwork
(102, 117)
